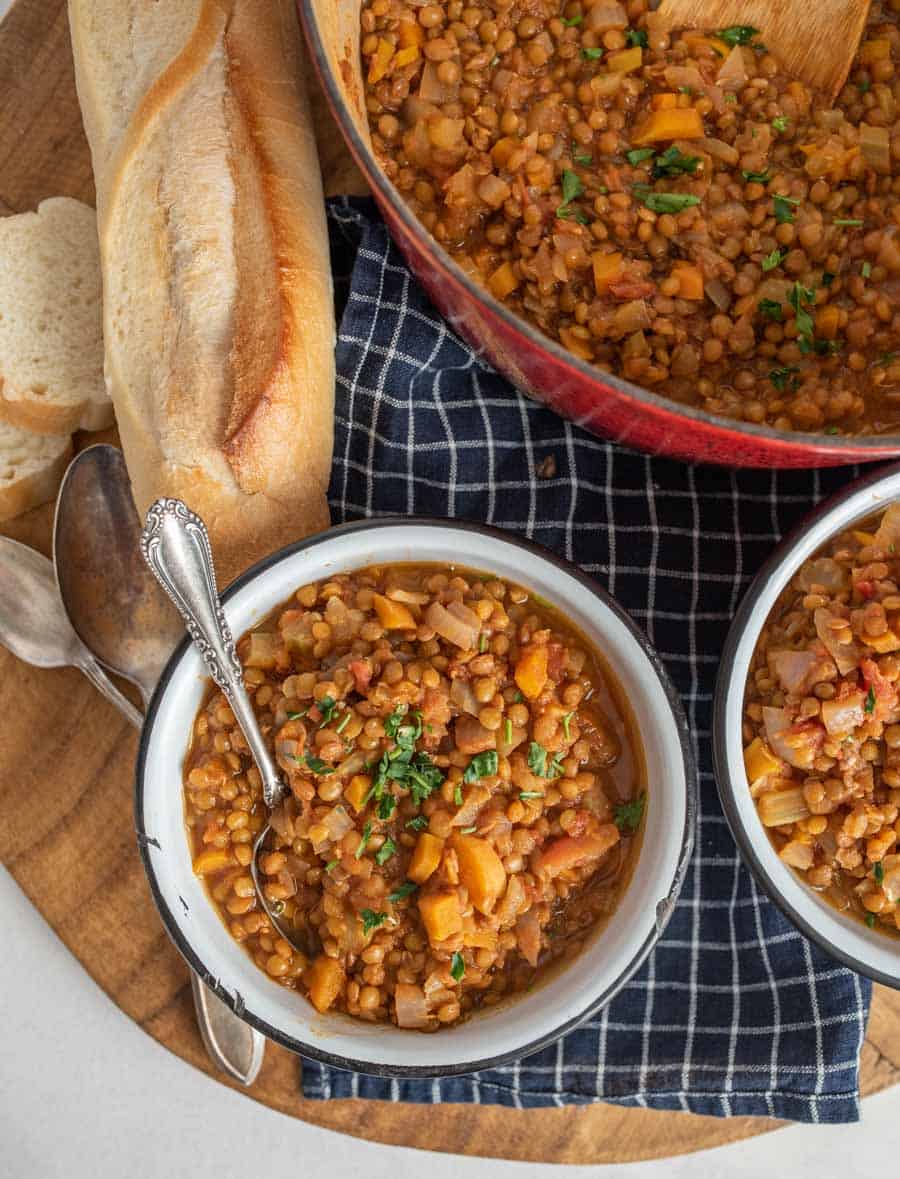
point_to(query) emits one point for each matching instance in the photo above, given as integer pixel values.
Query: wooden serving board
(65, 818)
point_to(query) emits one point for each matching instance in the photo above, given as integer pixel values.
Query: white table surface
(83, 1092)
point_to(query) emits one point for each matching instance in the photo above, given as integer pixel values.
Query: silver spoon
(175, 545)
(34, 626)
(119, 612)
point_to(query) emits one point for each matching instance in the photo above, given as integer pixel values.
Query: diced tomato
(865, 589)
(569, 851)
(884, 691)
(361, 670)
(631, 289)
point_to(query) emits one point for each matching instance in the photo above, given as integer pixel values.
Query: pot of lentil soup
(664, 238)
(490, 809)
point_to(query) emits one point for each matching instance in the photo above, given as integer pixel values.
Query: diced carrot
(410, 32)
(484, 939)
(626, 61)
(698, 40)
(531, 670)
(664, 102)
(607, 268)
(759, 761)
(404, 56)
(441, 915)
(575, 344)
(888, 641)
(425, 858)
(863, 538)
(360, 785)
(503, 281)
(690, 280)
(393, 615)
(381, 59)
(878, 49)
(828, 320)
(480, 870)
(568, 851)
(669, 124)
(325, 980)
(212, 860)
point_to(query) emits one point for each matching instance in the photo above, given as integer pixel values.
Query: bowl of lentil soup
(508, 818)
(806, 728)
(664, 238)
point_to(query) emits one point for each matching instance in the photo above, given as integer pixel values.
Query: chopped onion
(607, 14)
(338, 823)
(432, 89)
(891, 881)
(875, 145)
(721, 150)
(468, 812)
(678, 76)
(351, 764)
(842, 716)
(732, 74)
(528, 938)
(717, 293)
(411, 1005)
(463, 697)
(822, 572)
(846, 655)
(887, 537)
(631, 317)
(777, 723)
(513, 902)
(792, 667)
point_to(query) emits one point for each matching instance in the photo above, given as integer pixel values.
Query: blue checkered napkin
(734, 1012)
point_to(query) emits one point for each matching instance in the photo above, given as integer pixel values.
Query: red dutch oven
(540, 367)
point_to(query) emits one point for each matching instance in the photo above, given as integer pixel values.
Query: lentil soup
(466, 793)
(822, 723)
(674, 207)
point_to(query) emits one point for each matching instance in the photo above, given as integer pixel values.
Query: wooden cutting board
(66, 762)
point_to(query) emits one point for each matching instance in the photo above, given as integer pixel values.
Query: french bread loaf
(218, 313)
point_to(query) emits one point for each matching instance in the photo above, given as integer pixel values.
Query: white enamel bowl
(844, 938)
(508, 1030)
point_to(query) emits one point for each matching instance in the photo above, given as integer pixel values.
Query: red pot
(540, 367)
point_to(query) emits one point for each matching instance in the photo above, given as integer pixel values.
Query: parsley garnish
(673, 162)
(870, 701)
(637, 37)
(772, 260)
(566, 721)
(780, 376)
(343, 722)
(419, 823)
(731, 99)
(386, 806)
(832, 430)
(784, 214)
(402, 891)
(886, 358)
(685, 90)
(371, 920)
(864, 87)
(538, 764)
(467, 830)
(870, 920)
(582, 158)
(327, 707)
(457, 966)
(571, 186)
(482, 765)
(385, 852)
(507, 731)
(331, 865)
(665, 202)
(297, 715)
(591, 54)
(866, 269)
(781, 123)
(770, 309)
(526, 794)
(639, 154)
(847, 221)
(828, 278)
(567, 213)
(364, 839)
(482, 642)
(878, 872)
(738, 35)
(799, 295)
(571, 21)
(317, 765)
(458, 794)
(757, 177)
(627, 815)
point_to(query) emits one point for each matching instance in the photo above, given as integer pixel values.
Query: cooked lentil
(466, 792)
(674, 208)
(822, 723)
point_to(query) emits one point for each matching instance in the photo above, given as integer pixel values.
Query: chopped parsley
(771, 309)
(756, 177)
(685, 90)
(866, 269)
(483, 642)
(637, 37)
(419, 823)
(458, 794)
(800, 298)
(297, 715)
(627, 815)
(467, 830)
(864, 87)
(847, 221)
(781, 123)
(567, 213)
(737, 35)
(870, 920)
(517, 697)
(364, 839)
(507, 731)
(886, 358)
(566, 721)
(526, 794)
(832, 430)
(571, 21)
(327, 707)
(878, 872)
(665, 202)
(784, 213)
(331, 865)
(371, 920)
(583, 158)
(772, 260)
(457, 966)
(539, 765)
(317, 765)
(386, 805)
(415, 771)
(731, 99)
(571, 186)
(780, 377)
(591, 54)
(482, 765)
(870, 701)
(343, 722)
(402, 891)
(385, 852)
(828, 278)
(639, 154)
(673, 162)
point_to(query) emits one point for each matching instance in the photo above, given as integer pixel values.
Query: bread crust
(218, 306)
(35, 488)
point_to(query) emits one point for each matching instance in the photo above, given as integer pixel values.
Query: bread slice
(31, 466)
(51, 320)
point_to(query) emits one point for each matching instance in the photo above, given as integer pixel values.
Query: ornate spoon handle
(175, 544)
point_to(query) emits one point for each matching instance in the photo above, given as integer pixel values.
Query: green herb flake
(402, 892)
(756, 177)
(639, 154)
(771, 309)
(277, 907)
(685, 90)
(781, 123)
(467, 830)
(772, 260)
(457, 966)
(637, 37)
(567, 213)
(386, 806)
(885, 359)
(832, 430)
(866, 269)
(517, 697)
(364, 839)
(582, 158)
(870, 701)
(538, 763)
(780, 377)
(864, 87)
(385, 852)
(870, 920)
(419, 823)
(571, 21)
(591, 54)
(784, 213)
(482, 765)
(847, 221)
(371, 920)
(801, 297)
(526, 794)
(878, 872)
(673, 162)
(458, 794)
(665, 202)
(828, 278)
(331, 865)
(508, 731)
(737, 35)
(566, 721)
(343, 722)
(731, 99)
(571, 186)
(317, 765)
(326, 706)
(297, 715)
(627, 815)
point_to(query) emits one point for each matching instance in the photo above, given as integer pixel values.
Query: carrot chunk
(531, 670)
(325, 979)
(425, 858)
(669, 124)
(441, 915)
(480, 870)
(607, 268)
(393, 615)
(690, 281)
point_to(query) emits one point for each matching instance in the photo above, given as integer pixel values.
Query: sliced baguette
(51, 320)
(31, 466)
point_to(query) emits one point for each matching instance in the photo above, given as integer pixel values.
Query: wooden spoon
(815, 40)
